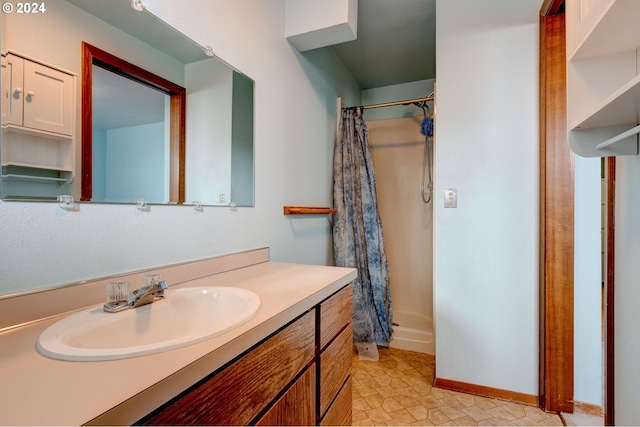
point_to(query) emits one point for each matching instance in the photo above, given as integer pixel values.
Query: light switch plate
(450, 198)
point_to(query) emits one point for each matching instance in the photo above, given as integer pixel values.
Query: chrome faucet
(152, 290)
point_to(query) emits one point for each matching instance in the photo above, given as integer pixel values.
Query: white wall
(99, 164)
(627, 291)
(486, 250)
(295, 124)
(136, 164)
(587, 283)
(208, 158)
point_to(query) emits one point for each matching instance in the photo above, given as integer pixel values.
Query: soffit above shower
(380, 42)
(310, 24)
(396, 43)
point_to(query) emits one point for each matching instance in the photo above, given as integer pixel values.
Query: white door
(48, 103)
(12, 89)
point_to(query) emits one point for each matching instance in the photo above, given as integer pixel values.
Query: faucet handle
(151, 279)
(117, 291)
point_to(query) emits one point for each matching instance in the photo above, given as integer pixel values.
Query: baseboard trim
(588, 409)
(479, 390)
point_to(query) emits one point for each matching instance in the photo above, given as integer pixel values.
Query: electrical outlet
(450, 198)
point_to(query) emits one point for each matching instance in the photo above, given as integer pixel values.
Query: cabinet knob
(17, 90)
(31, 93)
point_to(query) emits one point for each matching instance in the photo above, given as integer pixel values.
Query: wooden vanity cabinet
(240, 392)
(300, 375)
(334, 359)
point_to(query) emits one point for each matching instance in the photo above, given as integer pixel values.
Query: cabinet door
(340, 412)
(581, 16)
(297, 407)
(48, 99)
(12, 89)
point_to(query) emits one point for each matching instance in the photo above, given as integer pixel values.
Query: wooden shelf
(307, 210)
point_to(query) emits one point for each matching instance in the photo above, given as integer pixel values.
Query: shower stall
(403, 169)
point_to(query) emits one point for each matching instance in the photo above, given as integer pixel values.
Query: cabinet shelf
(615, 32)
(603, 83)
(18, 177)
(620, 137)
(13, 171)
(36, 132)
(36, 167)
(620, 108)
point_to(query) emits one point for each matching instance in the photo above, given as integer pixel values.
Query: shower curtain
(357, 231)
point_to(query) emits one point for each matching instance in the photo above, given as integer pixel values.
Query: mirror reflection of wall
(227, 144)
(130, 142)
(242, 141)
(216, 173)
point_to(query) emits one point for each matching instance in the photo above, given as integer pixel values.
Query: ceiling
(396, 43)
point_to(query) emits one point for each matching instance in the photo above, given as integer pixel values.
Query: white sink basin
(185, 316)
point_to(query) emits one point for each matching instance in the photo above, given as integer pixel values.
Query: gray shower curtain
(358, 240)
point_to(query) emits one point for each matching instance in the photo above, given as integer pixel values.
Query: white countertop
(36, 390)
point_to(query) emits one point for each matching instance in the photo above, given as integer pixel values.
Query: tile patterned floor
(397, 390)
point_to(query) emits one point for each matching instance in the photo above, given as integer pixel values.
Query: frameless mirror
(133, 149)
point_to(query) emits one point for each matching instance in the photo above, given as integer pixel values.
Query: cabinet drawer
(335, 313)
(237, 394)
(335, 367)
(339, 414)
(297, 407)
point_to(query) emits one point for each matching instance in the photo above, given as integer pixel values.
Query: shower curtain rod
(431, 97)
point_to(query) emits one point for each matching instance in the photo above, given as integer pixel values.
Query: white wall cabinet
(38, 127)
(36, 96)
(603, 83)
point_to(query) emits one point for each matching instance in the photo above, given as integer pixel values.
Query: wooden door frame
(608, 374)
(556, 210)
(91, 56)
(556, 219)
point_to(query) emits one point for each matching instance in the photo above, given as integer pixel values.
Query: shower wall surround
(397, 149)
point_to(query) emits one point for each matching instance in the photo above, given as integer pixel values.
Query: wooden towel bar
(307, 210)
